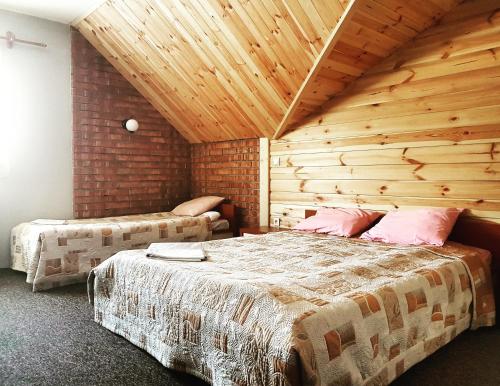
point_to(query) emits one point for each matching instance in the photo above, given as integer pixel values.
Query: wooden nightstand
(259, 230)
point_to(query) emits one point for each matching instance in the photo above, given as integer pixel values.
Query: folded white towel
(177, 251)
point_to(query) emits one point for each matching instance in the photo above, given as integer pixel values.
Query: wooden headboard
(229, 212)
(310, 212)
(476, 233)
(481, 234)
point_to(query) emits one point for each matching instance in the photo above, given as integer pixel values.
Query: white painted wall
(35, 125)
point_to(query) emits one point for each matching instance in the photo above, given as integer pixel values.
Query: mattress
(288, 308)
(220, 225)
(55, 253)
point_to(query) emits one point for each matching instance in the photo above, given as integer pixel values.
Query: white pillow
(212, 215)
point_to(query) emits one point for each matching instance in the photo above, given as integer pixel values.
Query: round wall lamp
(130, 124)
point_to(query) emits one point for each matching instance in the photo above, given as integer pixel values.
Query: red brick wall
(116, 172)
(229, 169)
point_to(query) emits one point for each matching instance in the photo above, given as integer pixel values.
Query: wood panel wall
(420, 129)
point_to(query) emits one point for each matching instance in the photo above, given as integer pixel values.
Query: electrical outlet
(276, 222)
(276, 161)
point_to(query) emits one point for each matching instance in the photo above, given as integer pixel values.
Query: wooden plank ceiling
(371, 31)
(230, 69)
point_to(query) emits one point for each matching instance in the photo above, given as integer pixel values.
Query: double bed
(289, 308)
(54, 253)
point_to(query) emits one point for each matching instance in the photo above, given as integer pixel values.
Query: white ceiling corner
(62, 11)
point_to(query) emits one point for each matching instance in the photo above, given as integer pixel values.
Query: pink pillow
(197, 206)
(338, 221)
(416, 227)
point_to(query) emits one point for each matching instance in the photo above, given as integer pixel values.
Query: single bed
(61, 252)
(289, 308)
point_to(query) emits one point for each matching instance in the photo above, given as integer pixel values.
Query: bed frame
(482, 234)
(476, 233)
(229, 212)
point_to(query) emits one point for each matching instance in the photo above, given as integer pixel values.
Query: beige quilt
(53, 255)
(289, 308)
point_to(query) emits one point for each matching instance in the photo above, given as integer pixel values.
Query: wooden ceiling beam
(319, 63)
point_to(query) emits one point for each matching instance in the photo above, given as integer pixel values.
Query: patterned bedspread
(61, 254)
(295, 309)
